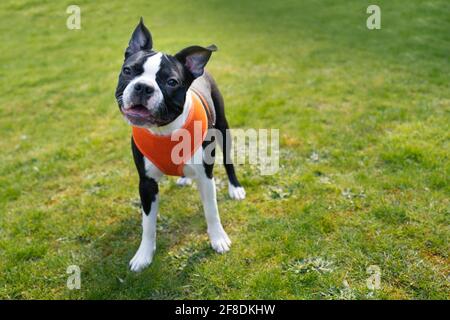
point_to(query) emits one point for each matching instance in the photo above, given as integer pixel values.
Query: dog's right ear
(140, 40)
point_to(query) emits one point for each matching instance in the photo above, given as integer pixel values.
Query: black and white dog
(152, 94)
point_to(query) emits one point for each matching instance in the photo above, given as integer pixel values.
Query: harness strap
(206, 106)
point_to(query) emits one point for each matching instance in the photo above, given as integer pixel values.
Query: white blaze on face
(151, 68)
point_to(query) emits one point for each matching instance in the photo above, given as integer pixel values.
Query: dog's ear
(140, 40)
(195, 58)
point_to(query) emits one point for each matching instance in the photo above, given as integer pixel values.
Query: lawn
(364, 152)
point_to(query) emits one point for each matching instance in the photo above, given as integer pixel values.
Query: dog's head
(152, 85)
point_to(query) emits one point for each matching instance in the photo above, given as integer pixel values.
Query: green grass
(364, 126)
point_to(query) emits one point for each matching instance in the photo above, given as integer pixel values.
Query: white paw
(142, 258)
(183, 181)
(237, 193)
(220, 241)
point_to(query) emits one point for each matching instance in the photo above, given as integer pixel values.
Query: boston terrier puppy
(159, 94)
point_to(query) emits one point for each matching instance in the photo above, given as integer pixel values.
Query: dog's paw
(184, 181)
(220, 241)
(237, 193)
(142, 259)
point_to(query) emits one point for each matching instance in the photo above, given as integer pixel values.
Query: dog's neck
(176, 124)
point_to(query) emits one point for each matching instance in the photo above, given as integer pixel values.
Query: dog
(157, 93)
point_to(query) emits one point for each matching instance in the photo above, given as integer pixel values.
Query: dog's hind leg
(235, 190)
(184, 181)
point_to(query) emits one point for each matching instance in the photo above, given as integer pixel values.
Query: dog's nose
(143, 90)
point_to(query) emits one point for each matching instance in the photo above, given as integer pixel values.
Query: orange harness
(158, 148)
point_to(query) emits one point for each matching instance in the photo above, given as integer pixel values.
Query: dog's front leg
(148, 191)
(217, 235)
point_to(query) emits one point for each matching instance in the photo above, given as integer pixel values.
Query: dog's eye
(172, 82)
(126, 71)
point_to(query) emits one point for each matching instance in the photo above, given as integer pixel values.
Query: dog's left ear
(140, 40)
(195, 58)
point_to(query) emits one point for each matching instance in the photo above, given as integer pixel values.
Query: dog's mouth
(137, 111)
(140, 115)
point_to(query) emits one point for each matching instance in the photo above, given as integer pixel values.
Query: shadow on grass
(105, 275)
